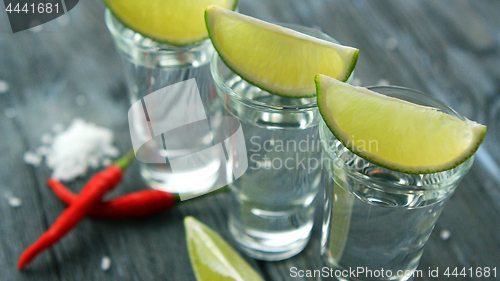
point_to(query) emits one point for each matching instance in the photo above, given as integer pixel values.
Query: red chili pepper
(90, 195)
(133, 205)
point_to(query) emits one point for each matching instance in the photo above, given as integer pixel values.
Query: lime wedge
(393, 133)
(276, 59)
(176, 22)
(212, 257)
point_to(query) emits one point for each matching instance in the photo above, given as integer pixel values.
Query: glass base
(271, 246)
(193, 182)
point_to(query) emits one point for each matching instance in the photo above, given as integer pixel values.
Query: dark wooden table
(70, 69)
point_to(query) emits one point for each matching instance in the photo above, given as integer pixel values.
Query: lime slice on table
(405, 137)
(276, 59)
(176, 22)
(212, 257)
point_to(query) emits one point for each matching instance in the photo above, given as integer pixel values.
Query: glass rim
(428, 97)
(248, 102)
(114, 24)
(457, 172)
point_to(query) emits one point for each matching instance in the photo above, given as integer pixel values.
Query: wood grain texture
(450, 49)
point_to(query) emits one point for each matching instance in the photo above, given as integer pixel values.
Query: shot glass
(173, 128)
(272, 212)
(377, 221)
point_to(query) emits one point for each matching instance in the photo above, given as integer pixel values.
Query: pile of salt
(70, 153)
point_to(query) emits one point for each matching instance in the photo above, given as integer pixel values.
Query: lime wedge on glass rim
(212, 258)
(409, 138)
(276, 59)
(175, 22)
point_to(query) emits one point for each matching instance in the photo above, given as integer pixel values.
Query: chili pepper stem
(177, 198)
(125, 160)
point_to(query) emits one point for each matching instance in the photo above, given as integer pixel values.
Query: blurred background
(69, 68)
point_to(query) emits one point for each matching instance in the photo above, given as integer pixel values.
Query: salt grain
(111, 151)
(32, 158)
(14, 202)
(445, 235)
(93, 161)
(105, 263)
(106, 162)
(4, 87)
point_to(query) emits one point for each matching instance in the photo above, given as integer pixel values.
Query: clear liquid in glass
(372, 227)
(150, 66)
(272, 211)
